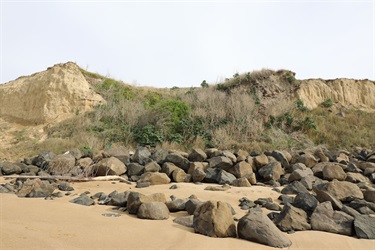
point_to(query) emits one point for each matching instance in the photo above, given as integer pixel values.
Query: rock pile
(320, 190)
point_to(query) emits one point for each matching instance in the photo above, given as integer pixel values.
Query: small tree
(204, 84)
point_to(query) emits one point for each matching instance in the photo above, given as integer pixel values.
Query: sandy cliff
(358, 94)
(48, 96)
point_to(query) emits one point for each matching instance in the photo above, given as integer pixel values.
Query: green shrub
(148, 135)
(301, 106)
(175, 110)
(327, 103)
(204, 84)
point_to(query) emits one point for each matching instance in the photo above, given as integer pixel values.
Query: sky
(181, 43)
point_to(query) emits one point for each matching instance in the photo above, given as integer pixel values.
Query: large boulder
(292, 218)
(141, 155)
(197, 155)
(179, 175)
(34, 188)
(152, 166)
(260, 161)
(364, 226)
(83, 200)
(324, 218)
(43, 159)
(8, 168)
(271, 171)
(295, 187)
(333, 171)
(176, 205)
(154, 178)
(135, 200)
(109, 166)
(241, 169)
(306, 201)
(257, 227)
(196, 170)
(120, 152)
(224, 177)
(214, 219)
(153, 211)
(159, 155)
(298, 174)
(135, 169)
(281, 157)
(221, 162)
(308, 159)
(61, 164)
(342, 190)
(179, 161)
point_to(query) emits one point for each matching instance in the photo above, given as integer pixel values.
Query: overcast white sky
(181, 43)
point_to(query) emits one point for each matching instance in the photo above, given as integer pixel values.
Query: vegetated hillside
(258, 110)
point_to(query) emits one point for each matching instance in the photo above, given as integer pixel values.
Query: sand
(35, 223)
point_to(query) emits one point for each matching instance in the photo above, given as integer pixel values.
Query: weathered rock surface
(61, 164)
(364, 226)
(214, 219)
(333, 171)
(257, 227)
(153, 211)
(324, 218)
(109, 166)
(34, 188)
(271, 171)
(83, 200)
(292, 218)
(155, 178)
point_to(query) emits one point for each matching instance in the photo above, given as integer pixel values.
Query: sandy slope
(57, 224)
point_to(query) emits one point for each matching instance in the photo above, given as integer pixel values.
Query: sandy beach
(35, 223)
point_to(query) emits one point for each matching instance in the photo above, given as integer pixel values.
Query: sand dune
(35, 223)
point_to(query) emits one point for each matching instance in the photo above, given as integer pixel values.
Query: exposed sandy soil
(35, 223)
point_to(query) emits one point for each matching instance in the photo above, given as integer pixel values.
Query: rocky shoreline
(319, 190)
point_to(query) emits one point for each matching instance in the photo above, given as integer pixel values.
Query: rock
(333, 171)
(192, 204)
(292, 218)
(211, 175)
(224, 187)
(34, 188)
(142, 184)
(298, 174)
(241, 169)
(196, 170)
(197, 155)
(153, 211)
(318, 169)
(141, 155)
(61, 164)
(135, 200)
(168, 168)
(159, 155)
(364, 226)
(280, 157)
(221, 162)
(308, 181)
(320, 154)
(155, 178)
(271, 171)
(286, 199)
(369, 195)
(257, 227)
(179, 161)
(294, 188)
(342, 158)
(214, 219)
(263, 201)
(8, 168)
(85, 162)
(241, 182)
(118, 199)
(152, 166)
(342, 190)
(252, 178)
(109, 166)
(324, 218)
(64, 186)
(186, 221)
(322, 196)
(135, 169)
(83, 200)
(352, 168)
(76, 152)
(356, 177)
(362, 206)
(241, 155)
(179, 175)
(272, 206)
(120, 152)
(305, 201)
(308, 159)
(224, 177)
(260, 161)
(43, 159)
(176, 205)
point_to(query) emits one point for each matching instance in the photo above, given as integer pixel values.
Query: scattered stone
(186, 221)
(153, 211)
(174, 186)
(118, 199)
(83, 200)
(324, 218)
(241, 182)
(224, 187)
(214, 219)
(192, 204)
(176, 205)
(111, 215)
(257, 227)
(262, 201)
(64, 186)
(272, 206)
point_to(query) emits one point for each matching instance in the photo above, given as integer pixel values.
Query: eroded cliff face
(350, 93)
(49, 96)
